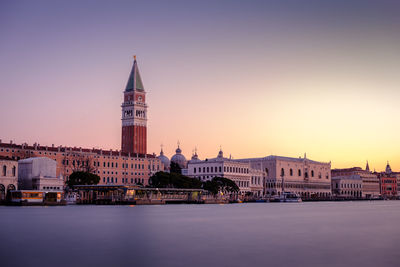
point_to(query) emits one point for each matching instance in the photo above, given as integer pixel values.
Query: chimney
(52, 145)
(0, 141)
(10, 142)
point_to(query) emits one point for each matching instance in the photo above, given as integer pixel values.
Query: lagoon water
(253, 234)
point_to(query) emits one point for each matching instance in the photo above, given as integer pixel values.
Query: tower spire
(134, 80)
(367, 167)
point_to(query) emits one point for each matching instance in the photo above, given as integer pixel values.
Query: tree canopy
(221, 184)
(173, 180)
(83, 178)
(175, 168)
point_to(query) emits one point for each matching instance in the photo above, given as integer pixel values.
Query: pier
(120, 194)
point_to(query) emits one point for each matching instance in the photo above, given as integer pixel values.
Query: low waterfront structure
(370, 187)
(8, 176)
(39, 173)
(310, 179)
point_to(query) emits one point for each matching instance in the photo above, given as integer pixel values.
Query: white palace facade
(247, 179)
(308, 178)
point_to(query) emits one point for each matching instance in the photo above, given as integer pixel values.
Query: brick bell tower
(134, 115)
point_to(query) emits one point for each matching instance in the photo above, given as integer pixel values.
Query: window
(291, 172)
(194, 170)
(299, 172)
(13, 171)
(220, 169)
(282, 172)
(4, 170)
(312, 173)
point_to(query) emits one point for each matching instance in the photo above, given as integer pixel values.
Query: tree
(175, 168)
(83, 178)
(221, 184)
(173, 180)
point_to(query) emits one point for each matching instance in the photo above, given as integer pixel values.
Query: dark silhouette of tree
(83, 178)
(175, 168)
(221, 184)
(173, 180)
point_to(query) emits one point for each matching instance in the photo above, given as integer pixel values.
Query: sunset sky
(255, 77)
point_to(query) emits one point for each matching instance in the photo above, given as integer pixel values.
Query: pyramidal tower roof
(134, 81)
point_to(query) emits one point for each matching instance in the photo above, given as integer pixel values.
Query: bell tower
(134, 114)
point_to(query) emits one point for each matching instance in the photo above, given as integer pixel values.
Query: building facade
(308, 178)
(369, 181)
(239, 172)
(134, 115)
(8, 176)
(348, 186)
(113, 167)
(39, 173)
(388, 183)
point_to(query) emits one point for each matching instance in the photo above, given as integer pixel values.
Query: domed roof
(179, 159)
(164, 159)
(195, 157)
(388, 169)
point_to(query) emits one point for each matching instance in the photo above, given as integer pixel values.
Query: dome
(195, 158)
(179, 158)
(388, 169)
(164, 160)
(220, 153)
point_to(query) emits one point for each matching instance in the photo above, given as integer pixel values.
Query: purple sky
(257, 77)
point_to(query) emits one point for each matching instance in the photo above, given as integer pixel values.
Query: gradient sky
(256, 77)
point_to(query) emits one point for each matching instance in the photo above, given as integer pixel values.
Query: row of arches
(5, 193)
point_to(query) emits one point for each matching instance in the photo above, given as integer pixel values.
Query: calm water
(257, 234)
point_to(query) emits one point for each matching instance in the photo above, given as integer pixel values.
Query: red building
(388, 183)
(134, 115)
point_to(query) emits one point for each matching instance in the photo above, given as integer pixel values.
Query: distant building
(370, 185)
(134, 115)
(308, 178)
(237, 171)
(164, 160)
(39, 173)
(388, 183)
(348, 186)
(8, 176)
(179, 158)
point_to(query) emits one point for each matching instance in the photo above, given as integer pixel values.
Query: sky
(257, 78)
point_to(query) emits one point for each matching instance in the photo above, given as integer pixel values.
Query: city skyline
(319, 81)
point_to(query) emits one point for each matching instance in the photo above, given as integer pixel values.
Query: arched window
(282, 172)
(291, 172)
(13, 171)
(266, 171)
(4, 170)
(299, 172)
(312, 173)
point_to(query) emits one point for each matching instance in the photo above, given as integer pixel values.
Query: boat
(288, 197)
